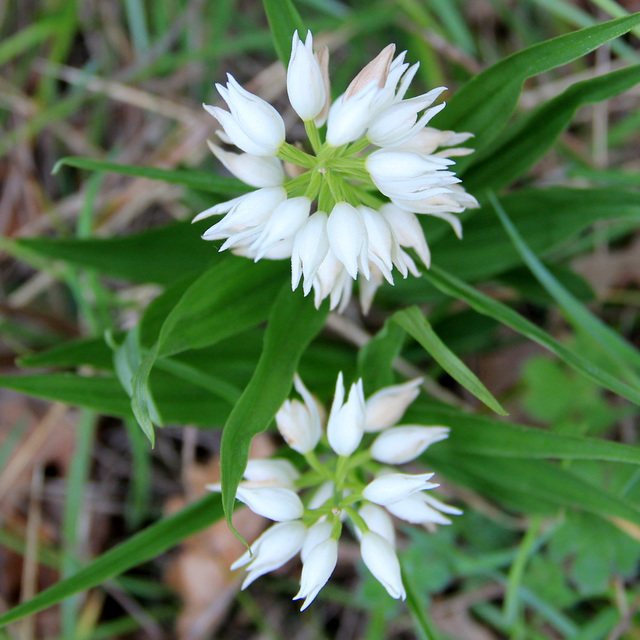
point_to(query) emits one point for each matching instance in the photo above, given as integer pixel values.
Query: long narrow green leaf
(412, 320)
(486, 436)
(191, 179)
(229, 298)
(283, 19)
(489, 307)
(527, 140)
(141, 547)
(545, 217)
(293, 323)
(375, 359)
(484, 105)
(163, 256)
(581, 318)
(503, 479)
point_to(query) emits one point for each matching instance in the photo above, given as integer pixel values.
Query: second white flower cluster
(354, 487)
(341, 208)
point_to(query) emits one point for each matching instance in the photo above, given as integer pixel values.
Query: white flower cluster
(355, 486)
(347, 208)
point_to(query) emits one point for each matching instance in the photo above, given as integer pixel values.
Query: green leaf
(93, 351)
(293, 323)
(513, 481)
(545, 217)
(227, 299)
(486, 436)
(581, 318)
(530, 137)
(494, 309)
(163, 255)
(191, 179)
(102, 394)
(483, 106)
(375, 359)
(412, 320)
(283, 19)
(141, 547)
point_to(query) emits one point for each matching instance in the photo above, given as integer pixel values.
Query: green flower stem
(298, 186)
(357, 519)
(315, 182)
(357, 147)
(314, 135)
(326, 202)
(289, 153)
(366, 198)
(359, 459)
(316, 465)
(341, 471)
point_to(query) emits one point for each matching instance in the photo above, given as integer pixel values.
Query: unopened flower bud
(316, 534)
(317, 569)
(379, 521)
(274, 503)
(305, 82)
(253, 124)
(277, 545)
(300, 424)
(392, 487)
(405, 443)
(272, 472)
(382, 561)
(387, 406)
(345, 426)
(415, 509)
(256, 171)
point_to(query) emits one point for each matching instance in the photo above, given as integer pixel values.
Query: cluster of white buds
(346, 206)
(354, 487)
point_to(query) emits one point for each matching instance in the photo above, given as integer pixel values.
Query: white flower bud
(407, 231)
(317, 570)
(387, 406)
(256, 171)
(405, 443)
(421, 508)
(277, 545)
(316, 534)
(246, 213)
(397, 124)
(274, 503)
(283, 223)
(310, 247)
(345, 426)
(379, 521)
(393, 487)
(348, 238)
(305, 83)
(300, 424)
(382, 244)
(253, 124)
(276, 472)
(382, 561)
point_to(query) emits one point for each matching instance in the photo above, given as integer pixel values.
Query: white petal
(316, 534)
(393, 487)
(310, 247)
(387, 406)
(379, 521)
(402, 444)
(347, 236)
(275, 471)
(346, 422)
(382, 561)
(256, 171)
(305, 83)
(274, 503)
(317, 570)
